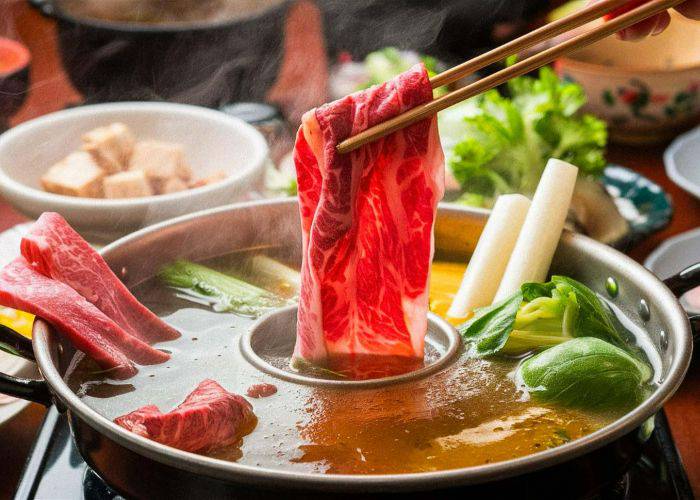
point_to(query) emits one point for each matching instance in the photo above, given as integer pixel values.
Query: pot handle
(46, 7)
(695, 327)
(31, 390)
(685, 281)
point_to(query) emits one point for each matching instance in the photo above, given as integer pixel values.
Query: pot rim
(664, 298)
(52, 9)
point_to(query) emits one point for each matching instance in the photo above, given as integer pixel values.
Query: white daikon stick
(491, 255)
(542, 229)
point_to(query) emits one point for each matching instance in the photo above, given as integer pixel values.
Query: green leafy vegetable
(9, 349)
(594, 318)
(488, 331)
(274, 275)
(539, 316)
(585, 362)
(280, 183)
(225, 293)
(585, 372)
(507, 141)
(384, 64)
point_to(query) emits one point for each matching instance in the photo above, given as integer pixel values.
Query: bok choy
(581, 357)
(223, 292)
(585, 372)
(538, 316)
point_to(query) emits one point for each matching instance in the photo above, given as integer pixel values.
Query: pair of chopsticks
(568, 23)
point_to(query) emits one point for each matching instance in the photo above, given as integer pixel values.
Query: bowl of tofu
(110, 169)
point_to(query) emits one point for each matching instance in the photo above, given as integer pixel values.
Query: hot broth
(468, 414)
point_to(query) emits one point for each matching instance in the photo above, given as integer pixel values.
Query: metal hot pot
(208, 63)
(139, 468)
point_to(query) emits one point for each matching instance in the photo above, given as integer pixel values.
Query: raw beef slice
(57, 251)
(88, 329)
(367, 220)
(210, 417)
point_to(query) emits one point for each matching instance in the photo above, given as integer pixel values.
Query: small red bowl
(14, 76)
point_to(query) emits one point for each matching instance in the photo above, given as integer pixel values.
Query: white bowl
(647, 91)
(674, 255)
(212, 141)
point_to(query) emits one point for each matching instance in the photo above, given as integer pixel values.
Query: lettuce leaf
(507, 141)
(384, 64)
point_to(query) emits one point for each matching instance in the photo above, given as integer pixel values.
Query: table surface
(50, 91)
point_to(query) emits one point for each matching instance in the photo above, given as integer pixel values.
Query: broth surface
(469, 414)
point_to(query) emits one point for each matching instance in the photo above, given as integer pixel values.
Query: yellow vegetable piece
(19, 321)
(445, 278)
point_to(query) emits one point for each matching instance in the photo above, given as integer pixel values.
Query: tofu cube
(76, 175)
(110, 146)
(172, 186)
(129, 184)
(160, 161)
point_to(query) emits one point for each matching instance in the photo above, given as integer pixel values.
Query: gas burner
(620, 490)
(95, 488)
(56, 470)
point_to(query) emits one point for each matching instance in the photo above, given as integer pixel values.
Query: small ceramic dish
(647, 90)
(645, 205)
(682, 161)
(674, 255)
(212, 141)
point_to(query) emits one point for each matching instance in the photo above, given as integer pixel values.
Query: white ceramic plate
(13, 365)
(682, 160)
(213, 141)
(18, 367)
(10, 241)
(674, 255)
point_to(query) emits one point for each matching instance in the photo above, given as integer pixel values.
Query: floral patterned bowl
(647, 91)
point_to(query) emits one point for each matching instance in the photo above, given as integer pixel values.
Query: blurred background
(215, 52)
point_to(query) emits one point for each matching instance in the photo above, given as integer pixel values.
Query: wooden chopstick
(520, 68)
(549, 30)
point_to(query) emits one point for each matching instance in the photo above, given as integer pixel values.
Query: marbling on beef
(57, 251)
(88, 329)
(367, 222)
(210, 417)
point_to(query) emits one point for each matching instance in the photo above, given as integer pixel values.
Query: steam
(251, 60)
(447, 29)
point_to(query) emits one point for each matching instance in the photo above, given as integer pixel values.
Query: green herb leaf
(585, 372)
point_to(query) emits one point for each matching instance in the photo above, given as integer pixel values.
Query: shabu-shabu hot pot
(141, 468)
